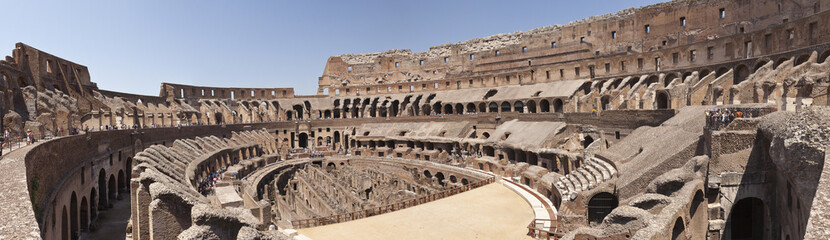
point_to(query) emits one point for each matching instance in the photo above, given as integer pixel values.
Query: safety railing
(315, 222)
(535, 231)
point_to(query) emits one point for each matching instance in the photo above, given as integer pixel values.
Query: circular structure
(621, 131)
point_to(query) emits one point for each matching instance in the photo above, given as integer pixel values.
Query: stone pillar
(168, 217)
(141, 215)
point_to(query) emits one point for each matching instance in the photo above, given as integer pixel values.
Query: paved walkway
(489, 212)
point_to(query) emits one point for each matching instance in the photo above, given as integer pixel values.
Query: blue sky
(133, 46)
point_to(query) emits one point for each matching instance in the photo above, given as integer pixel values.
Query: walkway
(489, 212)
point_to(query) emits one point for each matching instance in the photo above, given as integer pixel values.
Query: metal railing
(314, 222)
(539, 232)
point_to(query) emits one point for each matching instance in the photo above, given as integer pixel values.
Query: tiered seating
(587, 177)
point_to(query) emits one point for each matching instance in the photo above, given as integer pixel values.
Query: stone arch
(669, 77)
(705, 72)
(600, 206)
(73, 216)
(801, 60)
(447, 108)
(823, 57)
(121, 180)
(494, 107)
(531, 106)
(558, 105)
(102, 187)
(327, 114)
(393, 109)
(697, 203)
(427, 174)
(678, 229)
(471, 107)
(112, 192)
(93, 207)
(336, 137)
(303, 140)
(779, 62)
(741, 73)
(605, 102)
(544, 106)
(459, 108)
(84, 215)
(440, 177)
(331, 167)
(747, 219)
(588, 141)
(685, 76)
(64, 225)
(759, 64)
(721, 71)
(652, 79)
(482, 107)
(519, 107)
(662, 100)
(505, 107)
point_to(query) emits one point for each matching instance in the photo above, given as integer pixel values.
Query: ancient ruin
(690, 119)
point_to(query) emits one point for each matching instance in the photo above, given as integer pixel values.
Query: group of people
(208, 183)
(717, 118)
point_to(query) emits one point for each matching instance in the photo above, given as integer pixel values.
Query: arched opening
(393, 109)
(482, 107)
(704, 72)
(721, 71)
(801, 60)
(494, 107)
(459, 108)
(448, 109)
(289, 115)
(651, 80)
(330, 167)
(336, 138)
(440, 177)
(102, 186)
(531, 106)
(73, 216)
(303, 140)
(600, 206)
(505, 107)
(747, 219)
(605, 103)
(121, 182)
(779, 62)
(670, 77)
(544, 106)
(471, 108)
(112, 192)
(588, 141)
(64, 225)
(519, 107)
(218, 118)
(685, 76)
(437, 108)
(759, 65)
(823, 57)
(299, 110)
(93, 209)
(84, 215)
(557, 105)
(427, 174)
(697, 202)
(741, 73)
(662, 100)
(327, 114)
(677, 230)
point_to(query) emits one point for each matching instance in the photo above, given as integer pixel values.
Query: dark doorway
(600, 206)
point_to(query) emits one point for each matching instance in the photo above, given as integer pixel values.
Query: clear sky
(133, 46)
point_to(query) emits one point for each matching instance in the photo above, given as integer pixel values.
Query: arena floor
(489, 212)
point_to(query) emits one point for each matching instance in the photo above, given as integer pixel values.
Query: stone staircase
(593, 172)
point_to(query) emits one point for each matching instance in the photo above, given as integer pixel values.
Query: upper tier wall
(599, 46)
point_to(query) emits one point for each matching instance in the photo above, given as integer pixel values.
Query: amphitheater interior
(687, 119)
